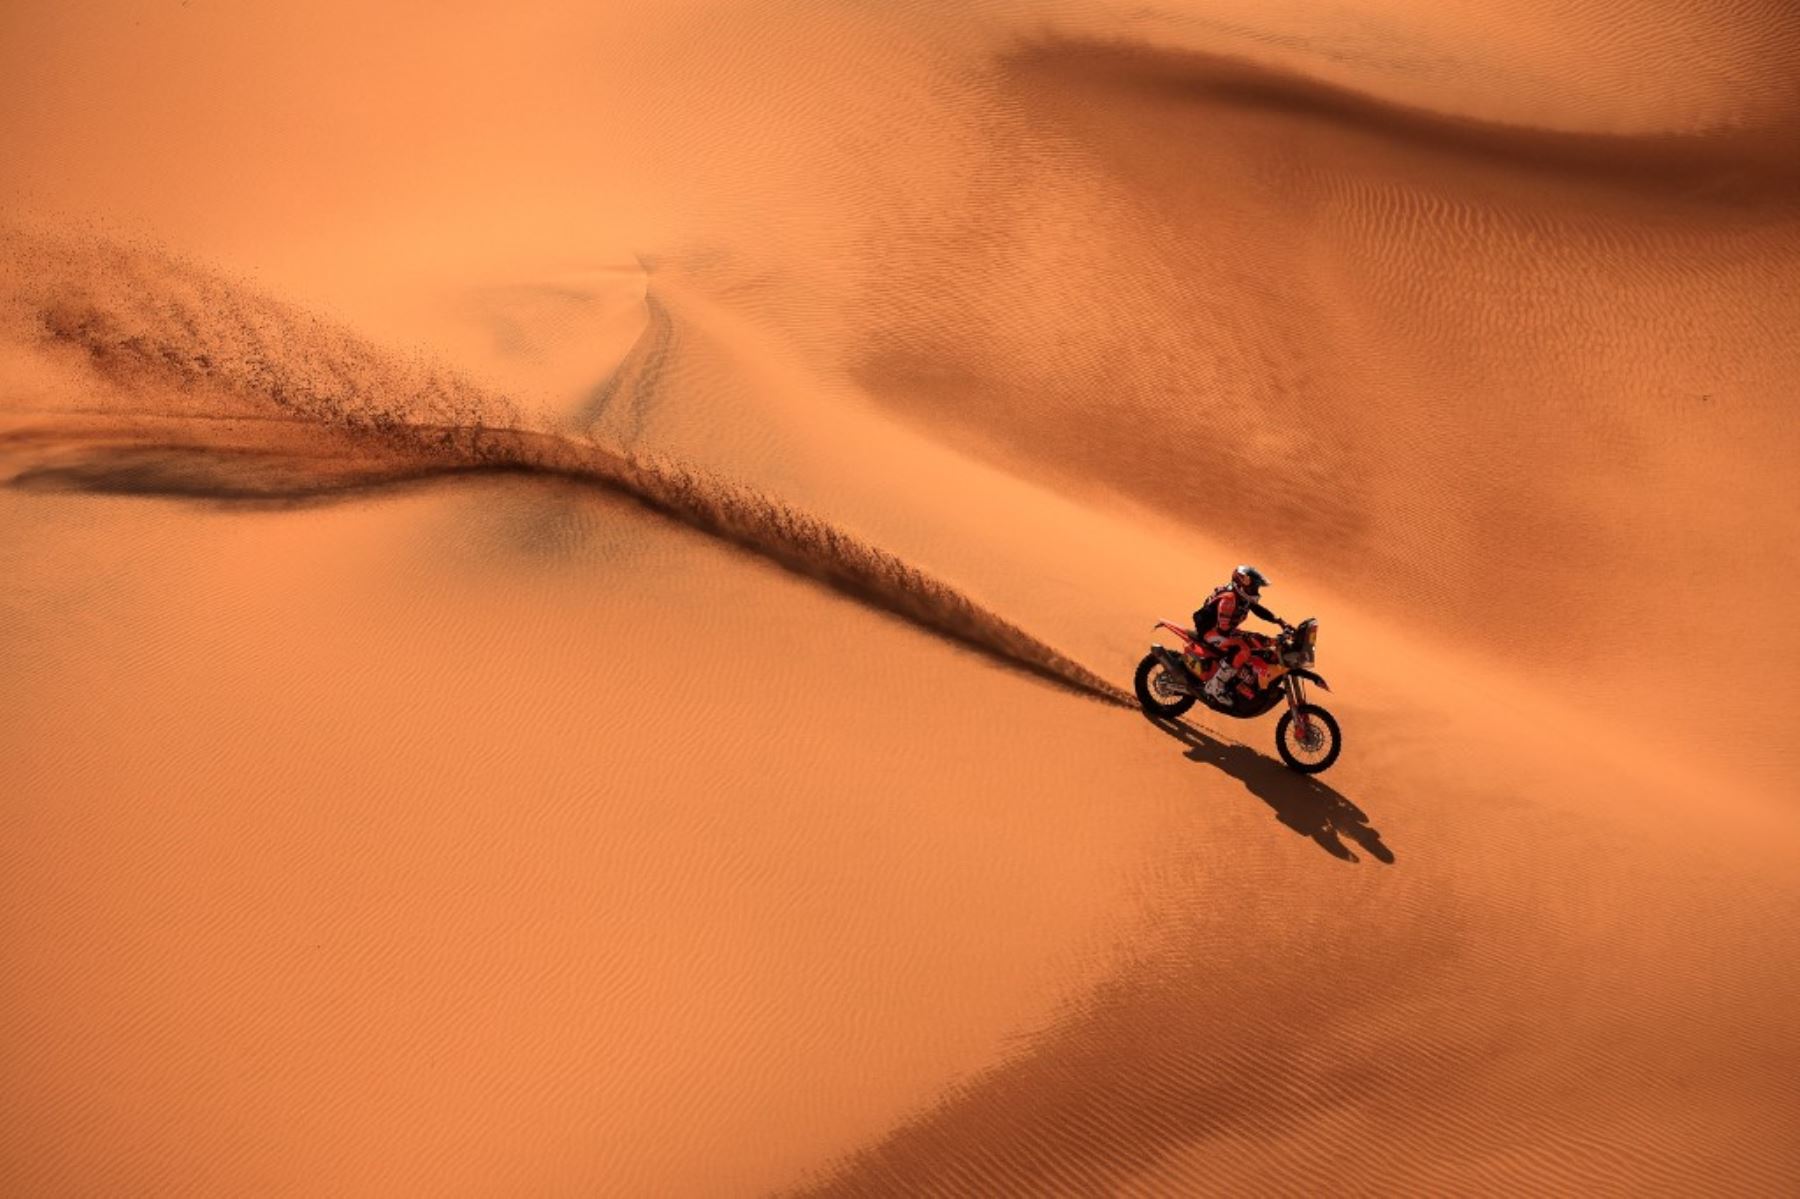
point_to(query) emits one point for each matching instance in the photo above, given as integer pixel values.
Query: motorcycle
(1307, 735)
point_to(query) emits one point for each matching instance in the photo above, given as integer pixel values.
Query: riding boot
(1215, 686)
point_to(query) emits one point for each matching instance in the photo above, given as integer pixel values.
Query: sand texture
(570, 577)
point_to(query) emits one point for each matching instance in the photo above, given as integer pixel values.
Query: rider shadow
(1301, 802)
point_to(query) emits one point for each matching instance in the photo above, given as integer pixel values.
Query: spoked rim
(1159, 687)
(1312, 746)
(1166, 686)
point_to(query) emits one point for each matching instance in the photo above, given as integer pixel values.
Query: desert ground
(570, 577)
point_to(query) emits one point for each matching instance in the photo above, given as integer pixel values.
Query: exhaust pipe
(1178, 669)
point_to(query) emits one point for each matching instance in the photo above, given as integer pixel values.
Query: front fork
(1296, 690)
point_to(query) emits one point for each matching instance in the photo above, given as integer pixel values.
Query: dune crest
(221, 393)
(574, 721)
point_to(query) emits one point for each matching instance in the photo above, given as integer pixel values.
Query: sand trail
(282, 408)
(555, 569)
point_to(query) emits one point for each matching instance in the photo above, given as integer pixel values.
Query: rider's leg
(1245, 660)
(1229, 650)
(1253, 660)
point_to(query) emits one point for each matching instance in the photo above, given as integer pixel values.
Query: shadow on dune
(1748, 163)
(1132, 1076)
(790, 541)
(238, 481)
(1304, 804)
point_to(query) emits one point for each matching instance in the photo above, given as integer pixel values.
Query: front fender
(1313, 677)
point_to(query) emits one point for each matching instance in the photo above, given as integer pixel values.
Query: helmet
(1249, 581)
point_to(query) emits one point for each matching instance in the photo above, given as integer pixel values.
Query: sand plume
(220, 393)
(465, 785)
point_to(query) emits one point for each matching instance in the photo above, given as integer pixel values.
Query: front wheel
(1315, 751)
(1160, 693)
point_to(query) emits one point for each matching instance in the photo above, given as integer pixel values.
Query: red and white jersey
(1231, 611)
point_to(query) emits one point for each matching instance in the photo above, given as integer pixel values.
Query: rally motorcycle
(1307, 735)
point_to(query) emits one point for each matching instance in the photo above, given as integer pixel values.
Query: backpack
(1207, 618)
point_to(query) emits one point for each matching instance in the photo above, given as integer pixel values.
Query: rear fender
(1187, 636)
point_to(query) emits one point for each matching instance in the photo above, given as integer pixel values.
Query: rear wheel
(1315, 749)
(1159, 691)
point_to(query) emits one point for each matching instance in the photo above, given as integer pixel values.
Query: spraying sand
(569, 581)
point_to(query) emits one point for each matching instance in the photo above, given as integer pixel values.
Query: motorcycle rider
(1237, 648)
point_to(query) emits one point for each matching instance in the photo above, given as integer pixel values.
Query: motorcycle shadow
(1301, 802)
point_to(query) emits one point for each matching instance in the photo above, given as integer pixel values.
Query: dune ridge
(260, 400)
(444, 793)
(1748, 159)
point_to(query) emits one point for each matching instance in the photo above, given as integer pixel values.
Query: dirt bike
(1307, 735)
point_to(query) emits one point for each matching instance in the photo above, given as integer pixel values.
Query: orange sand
(568, 584)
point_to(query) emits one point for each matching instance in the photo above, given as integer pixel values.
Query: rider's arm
(1268, 615)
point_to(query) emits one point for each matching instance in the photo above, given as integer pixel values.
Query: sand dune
(556, 566)
(281, 408)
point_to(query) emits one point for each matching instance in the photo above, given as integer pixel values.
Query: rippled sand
(568, 585)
